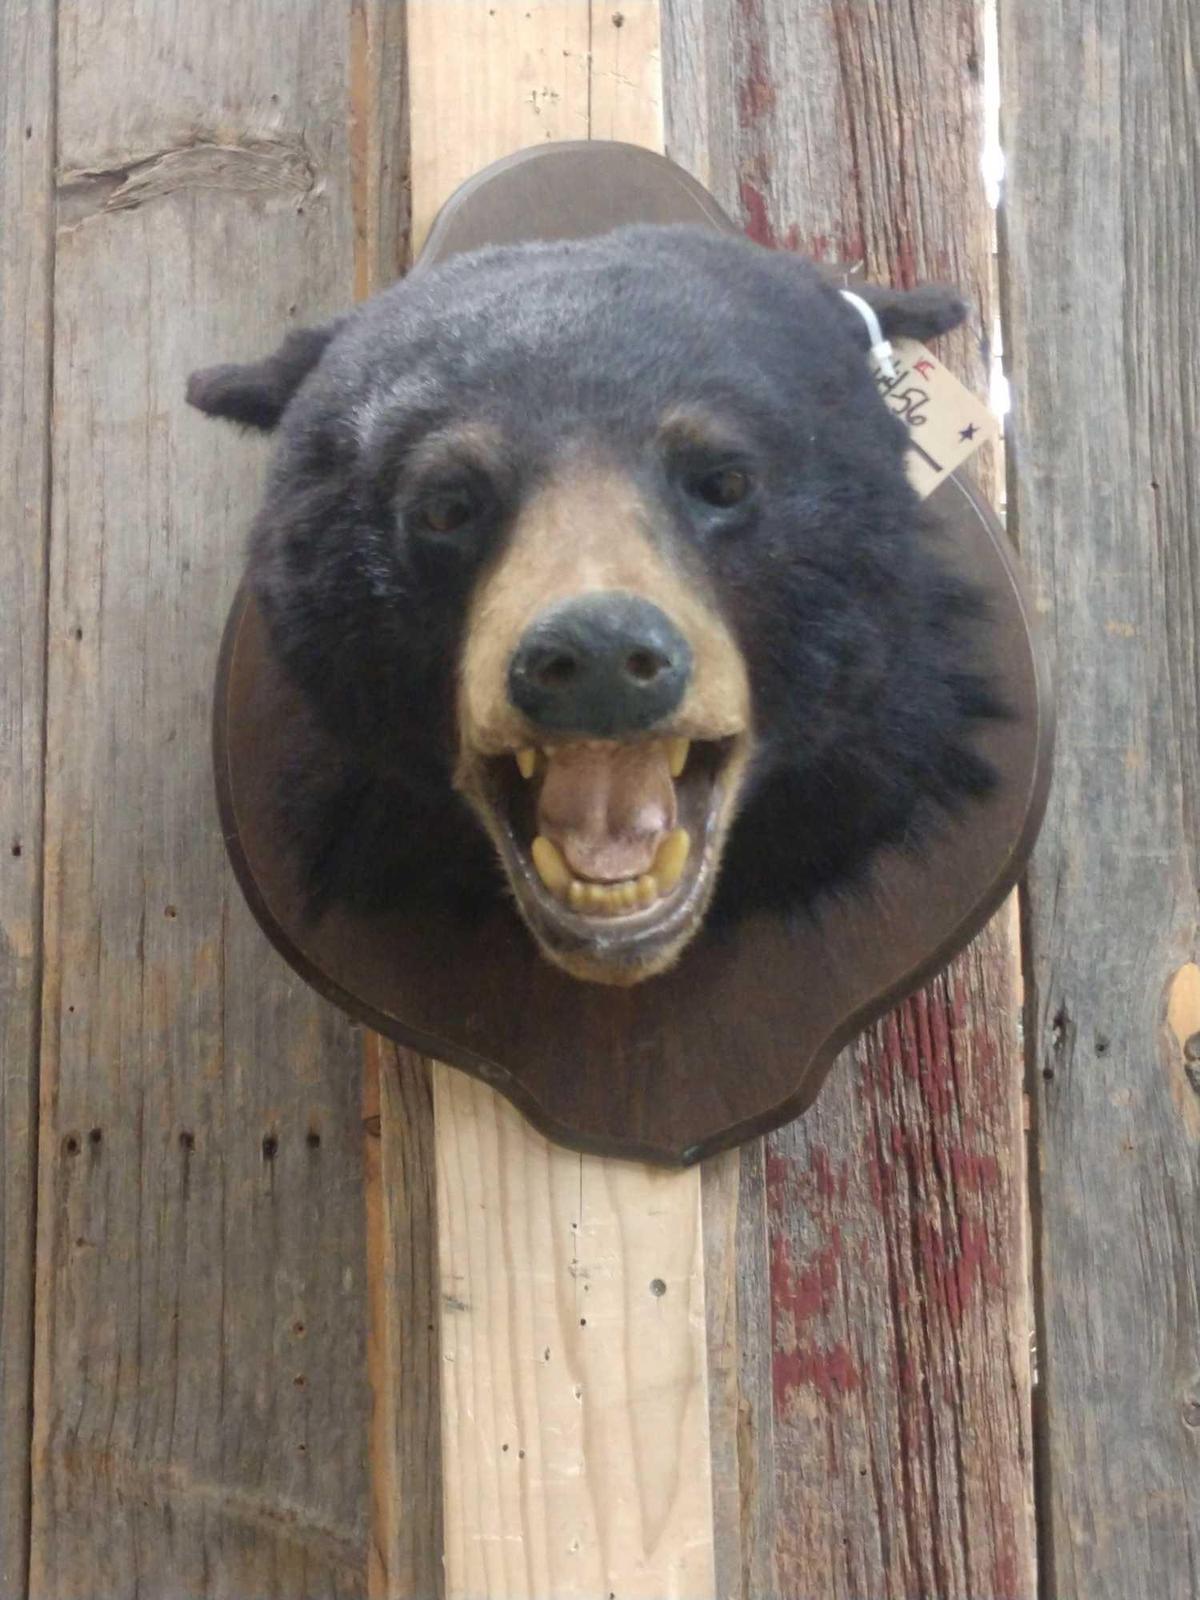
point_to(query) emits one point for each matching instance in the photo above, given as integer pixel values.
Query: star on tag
(946, 423)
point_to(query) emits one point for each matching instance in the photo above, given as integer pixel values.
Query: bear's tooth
(677, 754)
(527, 762)
(671, 858)
(647, 890)
(628, 894)
(577, 895)
(551, 868)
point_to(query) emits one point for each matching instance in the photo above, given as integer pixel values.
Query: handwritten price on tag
(946, 423)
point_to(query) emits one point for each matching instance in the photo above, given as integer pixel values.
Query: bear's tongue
(607, 807)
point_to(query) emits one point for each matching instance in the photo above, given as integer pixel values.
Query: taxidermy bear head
(599, 570)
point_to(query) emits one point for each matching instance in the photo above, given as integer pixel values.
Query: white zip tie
(880, 347)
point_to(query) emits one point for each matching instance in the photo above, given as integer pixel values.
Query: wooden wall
(216, 1286)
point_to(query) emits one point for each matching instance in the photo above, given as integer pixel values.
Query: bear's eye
(447, 512)
(726, 487)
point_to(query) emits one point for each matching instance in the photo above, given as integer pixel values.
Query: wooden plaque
(738, 1038)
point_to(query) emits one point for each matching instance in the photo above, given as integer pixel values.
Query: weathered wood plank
(403, 1354)
(738, 1313)
(26, 158)
(1102, 261)
(201, 1404)
(894, 1210)
(403, 1349)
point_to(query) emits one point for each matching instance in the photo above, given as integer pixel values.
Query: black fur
(856, 637)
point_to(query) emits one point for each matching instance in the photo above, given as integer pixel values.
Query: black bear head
(605, 552)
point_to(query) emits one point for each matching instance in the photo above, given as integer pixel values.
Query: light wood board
(585, 1470)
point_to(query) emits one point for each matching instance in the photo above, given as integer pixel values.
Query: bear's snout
(601, 666)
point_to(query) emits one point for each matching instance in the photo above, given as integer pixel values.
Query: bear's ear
(920, 313)
(257, 393)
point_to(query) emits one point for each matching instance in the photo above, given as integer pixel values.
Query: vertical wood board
(574, 1375)
(201, 1407)
(26, 155)
(403, 1349)
(892, 1406)
(1101, 264)
(574, 1388)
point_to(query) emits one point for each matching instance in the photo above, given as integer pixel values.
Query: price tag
(946, 423)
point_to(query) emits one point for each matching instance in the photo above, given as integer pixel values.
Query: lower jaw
(618, 950)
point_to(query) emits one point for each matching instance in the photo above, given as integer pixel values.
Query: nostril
(644, 665)
(557, 672)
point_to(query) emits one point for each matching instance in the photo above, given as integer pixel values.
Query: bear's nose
(601, 667)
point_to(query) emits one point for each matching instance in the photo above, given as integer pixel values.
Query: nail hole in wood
(16, 849)
(71, 1144)
(313, 1139)
(95, 1136)
(170, 912)
(657, 1288)
(270, 1147)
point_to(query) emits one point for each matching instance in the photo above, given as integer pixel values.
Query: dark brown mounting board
(740, 1036)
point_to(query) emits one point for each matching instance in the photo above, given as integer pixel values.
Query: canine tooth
(671, 859)
(551, 868)
(677, 754)
(527, 762)
(646, 889)
(577, 895)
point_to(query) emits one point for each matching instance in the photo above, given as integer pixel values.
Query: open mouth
(611, 847)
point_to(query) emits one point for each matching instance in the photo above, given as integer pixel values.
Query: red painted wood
(885, 1442)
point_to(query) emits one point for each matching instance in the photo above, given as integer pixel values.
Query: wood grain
(1102, 257)
(201, 1404)
(403, 1350)
(574, 1379)
(488, 79)
(26, 189)
(898, 1344)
